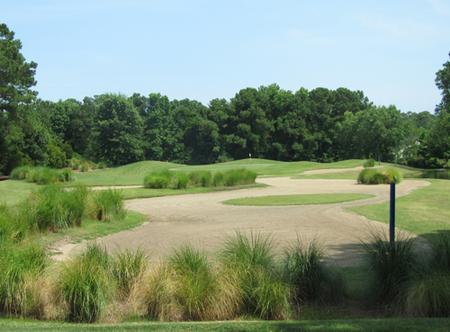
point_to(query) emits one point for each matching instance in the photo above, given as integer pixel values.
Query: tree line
(266, 122)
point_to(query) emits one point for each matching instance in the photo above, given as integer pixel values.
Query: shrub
(179, 180)
(309, 278)
(196, 284)
(218, 179)
(235, 177)
(200, 178)
(392, 265)
(53, 208)
(20, 265)
(429, 295)
(249, 262)
(127, 267)
(107, 204)
(20, 173)
(158, 180)
(369, 163)
(85, 285)
(379, 176)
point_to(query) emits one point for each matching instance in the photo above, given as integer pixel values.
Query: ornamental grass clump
(20, 267)
(200, 178)
(52, 207)
(158, 180)
(20, 173)
(310, 279)
(127, 268)
(379, 176)
(249, 261)
(107, 204)
(236, 177)
(392, 266)
(179, 180)
(369, 163)
(85, 285)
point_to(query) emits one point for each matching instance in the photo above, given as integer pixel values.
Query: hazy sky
(206, 49)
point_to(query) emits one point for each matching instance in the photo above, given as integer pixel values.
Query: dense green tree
(116, 137)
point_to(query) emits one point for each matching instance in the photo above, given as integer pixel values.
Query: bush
(218, 179)
(249, 262)
(309, 278)
(158, 180)
(19, 267)
(429, 295)
(85, 285)
(127, 267)
(200, 178)
(53, 208)
(236, 177)
(179, 180)
(107, 204)
(20, 173)
(379, 176)
(369, 163)
(392, 266)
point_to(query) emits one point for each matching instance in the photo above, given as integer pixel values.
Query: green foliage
(379, 176)
(236, 177)
(369, 163)
(200, 178)
(107, 204)
(392, 266)
(20, 266)
(84, 285)
(53, 208)
(250, 262)
(127, 268)
(308, 276)
(158, 180)
(179, 180)
(196, 284)
(20, 173)
(41, 175)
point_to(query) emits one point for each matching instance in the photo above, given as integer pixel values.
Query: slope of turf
(133, 174)
(424, 211)
(373, 324)
(283, 200)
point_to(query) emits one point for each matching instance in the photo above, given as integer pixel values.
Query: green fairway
(133, 174)
(424, 211)
(296, 199)
(12, 191)
(381, 324)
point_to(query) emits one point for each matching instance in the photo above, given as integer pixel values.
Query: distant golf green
(296, 199)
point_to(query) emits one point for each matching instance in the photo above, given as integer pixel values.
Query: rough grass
(322, 325)
(296, 199)
(379, 176)
(424, 211)
(107, 204)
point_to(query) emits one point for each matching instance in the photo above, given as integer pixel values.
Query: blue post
(392, 215)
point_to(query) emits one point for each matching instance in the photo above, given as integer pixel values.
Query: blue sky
(206, 49)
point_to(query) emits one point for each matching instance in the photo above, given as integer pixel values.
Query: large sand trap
(203, 221)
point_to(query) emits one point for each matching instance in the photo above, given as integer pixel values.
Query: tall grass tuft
(84, 285)
(158, 180)
(379, 176)
(12, 227)
(53, 208)
(235, 177)
(19, 267)
(392, 265)
(20, 173)
(369, 163)
(200, 178)
(127, 268)
(309, 278)
(250, 262)
(179, 180)
(107, 204)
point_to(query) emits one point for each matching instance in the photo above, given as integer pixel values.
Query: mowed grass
(305, 199)
(13, 191)
(133, 174)
(373, 324)
(425, 211)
